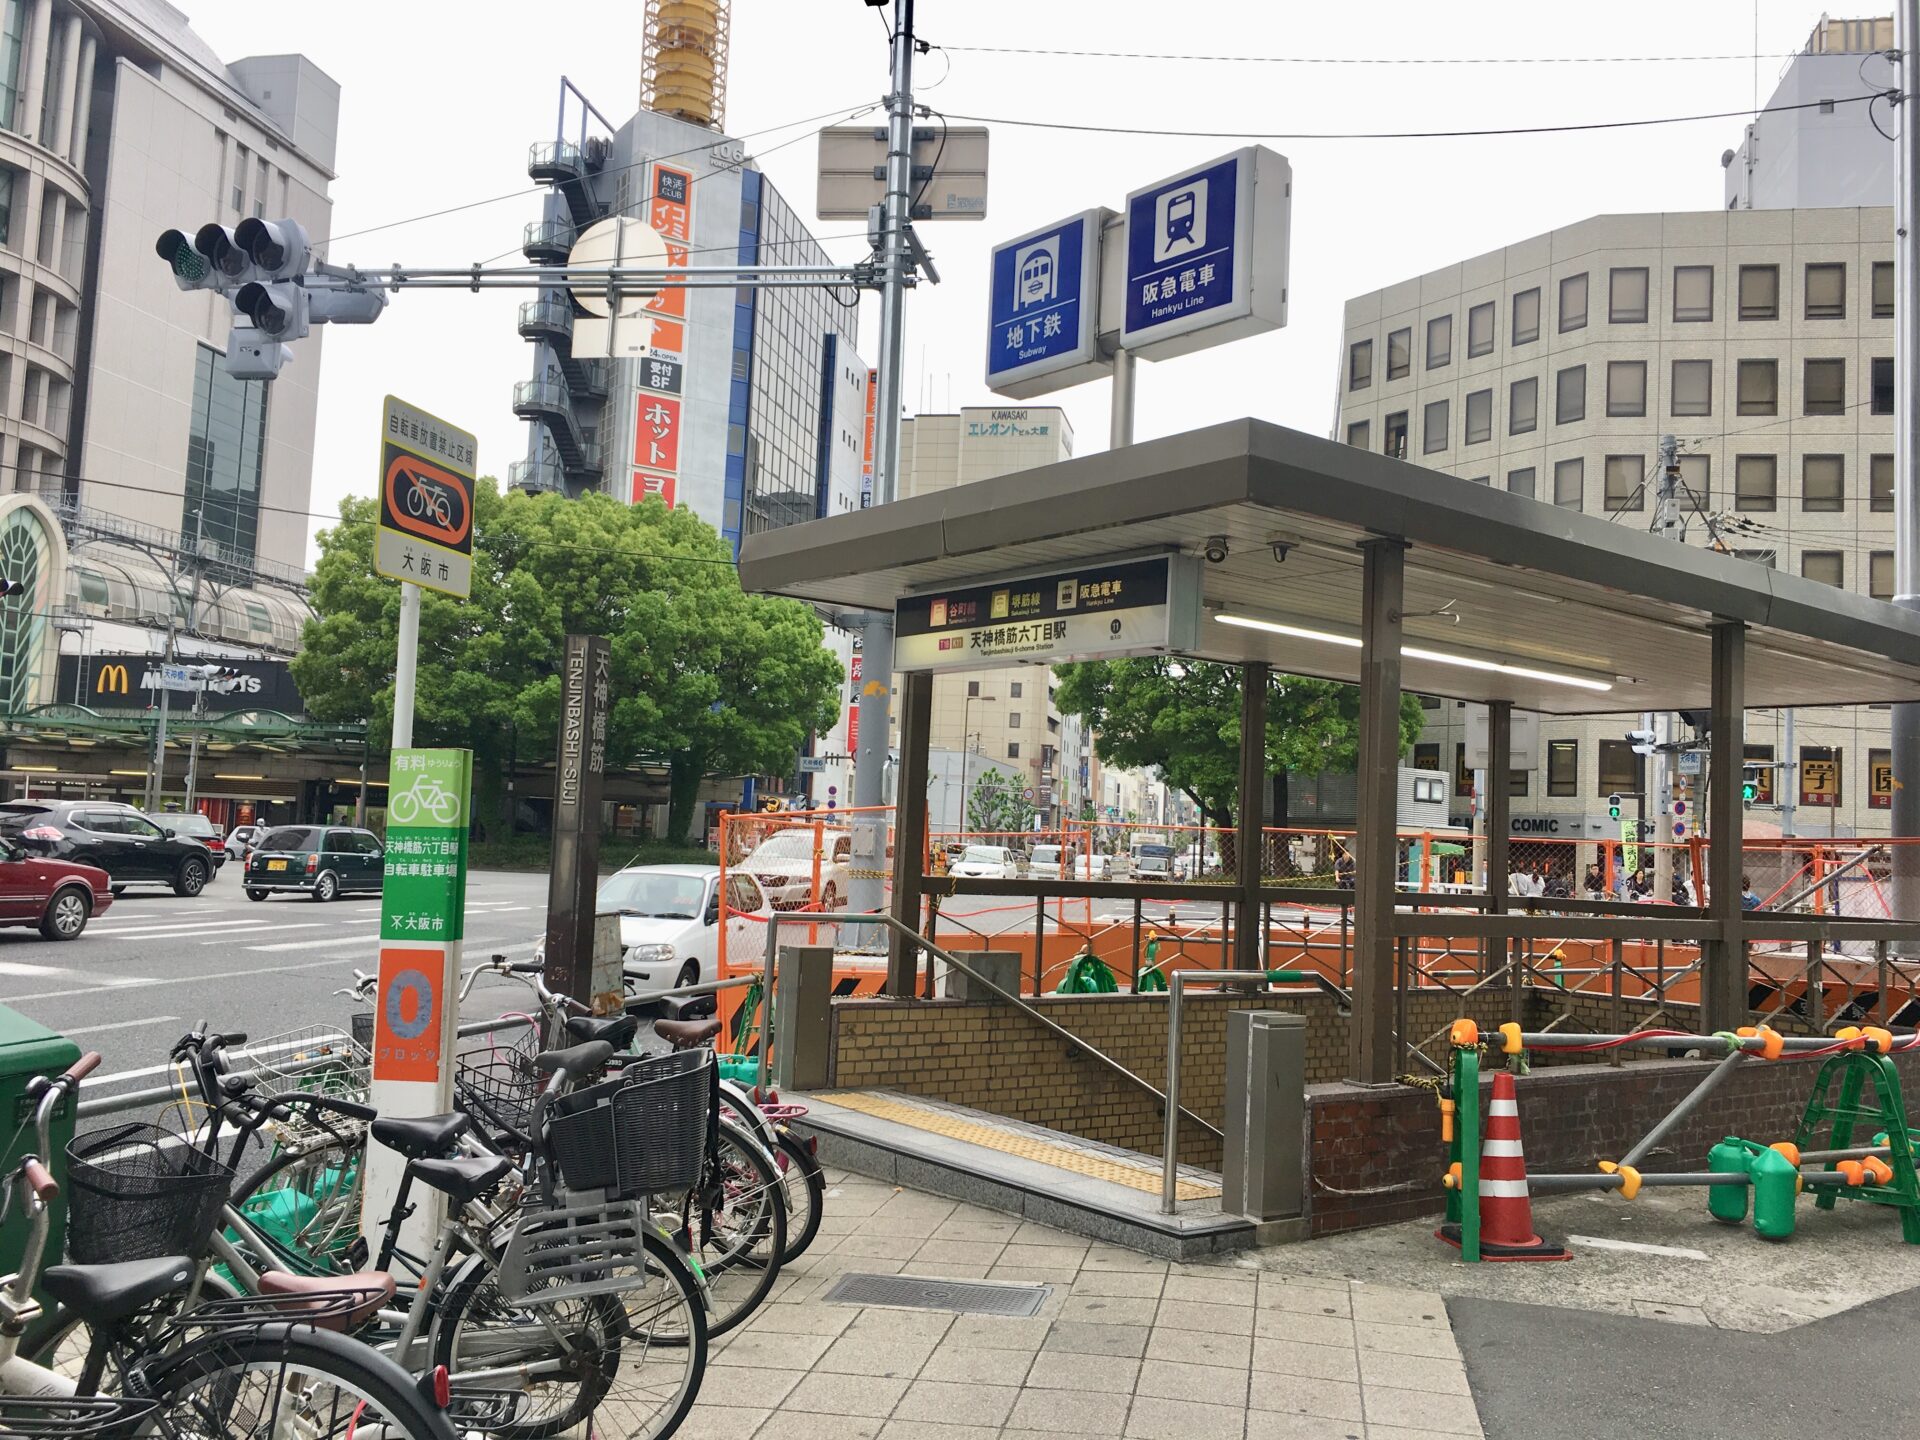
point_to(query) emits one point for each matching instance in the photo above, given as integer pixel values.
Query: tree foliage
(996, 807)
(1182, 717)
(706, 679)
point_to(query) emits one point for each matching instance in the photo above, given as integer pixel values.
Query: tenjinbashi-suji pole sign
(1206, 255)
(1044, 313)
(1141, 605)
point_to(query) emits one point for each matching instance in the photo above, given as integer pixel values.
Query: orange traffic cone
(1506, 1212)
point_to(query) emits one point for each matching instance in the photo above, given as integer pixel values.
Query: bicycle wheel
(741, 1229)
(270, 1381)
(806, 1189)
(631, 1359)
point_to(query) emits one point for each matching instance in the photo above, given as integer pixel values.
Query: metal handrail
(1170, 1139)
(913, 937)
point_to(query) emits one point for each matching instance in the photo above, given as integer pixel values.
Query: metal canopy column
(1723, 967)
(1249, 851)
(1383, 582)
(910, 826)
(1497, 803)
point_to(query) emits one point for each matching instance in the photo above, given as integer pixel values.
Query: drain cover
(921, 1292)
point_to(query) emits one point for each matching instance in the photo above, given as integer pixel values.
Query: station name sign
(1102, 609)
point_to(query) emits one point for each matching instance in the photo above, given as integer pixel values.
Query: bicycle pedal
(357, 1253)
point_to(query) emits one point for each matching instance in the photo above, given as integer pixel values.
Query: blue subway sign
(1045, 308)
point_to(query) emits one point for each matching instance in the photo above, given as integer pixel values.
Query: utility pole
(156, 772)
(1906, 453)
(869, 821)
(1668, 523)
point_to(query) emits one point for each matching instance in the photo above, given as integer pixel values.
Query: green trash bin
(27, 1049)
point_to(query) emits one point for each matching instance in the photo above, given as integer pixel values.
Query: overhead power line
(1363, 59)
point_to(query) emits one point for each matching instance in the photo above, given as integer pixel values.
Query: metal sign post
(585, 686)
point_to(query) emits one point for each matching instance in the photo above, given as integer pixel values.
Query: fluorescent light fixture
(1417, 652)
(355, 780)
(140, 773)
(239, 777)
(39, 769)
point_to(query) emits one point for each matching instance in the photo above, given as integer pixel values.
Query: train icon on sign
(1180, 221)
(1036, 275)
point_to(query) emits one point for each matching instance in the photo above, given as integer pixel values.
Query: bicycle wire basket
(316, 1060)
(70, 1417)
(497, 1084)
(138, 1192)
(644, 1132)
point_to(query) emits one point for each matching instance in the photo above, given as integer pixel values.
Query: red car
(56, 895)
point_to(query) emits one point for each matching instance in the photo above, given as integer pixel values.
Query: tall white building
(1816, 144)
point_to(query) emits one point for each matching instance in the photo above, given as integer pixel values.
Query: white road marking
(1596, 1242)
(121, 1025)
(65, 972)
(249, 934)
(199, 927)
(359, 940)
(174, 980)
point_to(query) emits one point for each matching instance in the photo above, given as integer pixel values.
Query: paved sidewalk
(1124, 1346)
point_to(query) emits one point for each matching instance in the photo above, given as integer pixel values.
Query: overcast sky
(440, 101)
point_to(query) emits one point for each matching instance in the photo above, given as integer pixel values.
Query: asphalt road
(155, 964)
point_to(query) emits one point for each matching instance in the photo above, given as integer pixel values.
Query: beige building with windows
(1761, 339)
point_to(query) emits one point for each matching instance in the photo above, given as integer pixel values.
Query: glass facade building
(225, 445)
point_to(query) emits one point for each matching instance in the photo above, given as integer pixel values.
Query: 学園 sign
(426, 501)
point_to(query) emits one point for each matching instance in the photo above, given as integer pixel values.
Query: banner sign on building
(122, 681)
(656, 433)
(1103, 608)
(656, 403)
(1044, 308)
(853, 705)
(646, 485)
(426, 501)
(866, 441)
(1879, 779)
(1206, 255)
(1819, 775)
(671, 213)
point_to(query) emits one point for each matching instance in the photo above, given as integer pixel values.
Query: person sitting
(1749, 899)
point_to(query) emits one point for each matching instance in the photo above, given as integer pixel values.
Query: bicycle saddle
(686, 1033)
(575, 1059)
(101, 1294)
(418, 1137)
(617, 1030)
(371, 1289)
(464, 1177)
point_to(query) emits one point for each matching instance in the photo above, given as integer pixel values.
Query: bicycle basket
(137, 1192)
(69, 1417)
(556, 1255)
(663, 1114)
(580, 1136)
(316, 1059)
(363, 1029)
(497, 1084)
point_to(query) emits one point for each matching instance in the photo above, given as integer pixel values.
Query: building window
(1521, 482)
(1396, 435)
(1399, 354)
(1620, 769)
(1883, 289)
(1570, 483)
(1627, 295)
(1760, 757)
(1013, 750)
(973, 689)
(1523, 406)
(1824, 387)
(1696, 479)
(1880, 575)
(1433, 427)
(13, 40)
(226, 439)
(1526, 316)
(1756, 482)
(1479, 417)
(1768, 558)
(1626, 387)
(1570, 395)
(1426, 757)
(1357, 434)
(1759, 292)
(1826, 566)
(1823, 482)
(1480, 330)
(1013, 719)
(6, 189)
(1880, 483)
(1626, 483)
(1517, 783)
(1692, 387)
(1014, 690)
(1827, 292)
(1758, 382)
(1360, 365)
(1880, 393)
(1439, 341)
(1573, 303)
(1563, 767)
(1692, 292)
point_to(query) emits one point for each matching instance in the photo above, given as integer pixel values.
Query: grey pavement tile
(828, 1394)
(1065, 1370)
(1209, 1319)
(957, 1402)
(757, 1387)
(1115, 1257)
(1153, 1419)
(1208, 1384)
(1228, 1289)
(900, 1222)
(1407, 1340)
(768, 1347)
(1032, 1234)
(1133, 1284)
(1304, 1278)
(1069, 1256)
(719, 1422)
(1413, 1372)
(1308, 1329)
(851, 1202)
(801, 1318)
(856, 1353)
(1422, 1410)
(950, 1270)
(1107, 1310)
(885, 1247)
(1077, 1337)
(956, 1252)
(902, 1324)
(961, 1227)
(1397, 1432)
(1303, 1299)
(930, 1208)
(1191, 1347)
(1272, 1425)
(1298, 1395)
(997, 1332)
(1317, 1362)
(1079, 1412)
(1058, 1276)
(927, 1430)
(978, 1367)
(834, 1266)
(1386, 1305)
(805, 1425)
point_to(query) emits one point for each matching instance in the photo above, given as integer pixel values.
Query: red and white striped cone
(1506, 1210)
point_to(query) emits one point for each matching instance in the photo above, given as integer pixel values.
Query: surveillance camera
(1281, 548)
(1216, 550)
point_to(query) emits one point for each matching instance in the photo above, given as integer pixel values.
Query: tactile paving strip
(1013, 1142)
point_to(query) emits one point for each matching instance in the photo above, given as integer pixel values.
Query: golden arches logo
(112, 681)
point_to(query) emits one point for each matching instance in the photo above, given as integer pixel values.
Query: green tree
(706, 679)
(1182, 717)
(996, 807)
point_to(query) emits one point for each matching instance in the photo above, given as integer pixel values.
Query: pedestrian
(1343, 868)
(1749, 899)
(1594, 883)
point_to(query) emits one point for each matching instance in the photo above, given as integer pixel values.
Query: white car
(243, 838)
(1093, 867)
(783, 864)
(670, 923)
(986, 862)
(1050, 860)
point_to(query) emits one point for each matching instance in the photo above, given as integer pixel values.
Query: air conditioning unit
(597, 150)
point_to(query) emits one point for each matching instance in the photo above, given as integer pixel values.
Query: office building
(1819, 142)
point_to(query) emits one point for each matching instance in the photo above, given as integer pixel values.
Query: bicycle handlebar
(40, 1180)
(83, 1067)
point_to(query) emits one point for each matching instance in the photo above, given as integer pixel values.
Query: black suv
(325, 861)
(132, 849)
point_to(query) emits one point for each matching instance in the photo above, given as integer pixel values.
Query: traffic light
(1613, 807)
(1749, 785)
(1643, 741)
(10, 588)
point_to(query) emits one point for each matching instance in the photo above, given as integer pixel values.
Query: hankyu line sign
(1103, 608)
(426, 501)
(1044, 311)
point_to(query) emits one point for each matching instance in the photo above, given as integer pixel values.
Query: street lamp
(966, 736)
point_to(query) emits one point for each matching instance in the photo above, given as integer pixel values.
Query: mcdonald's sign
(112, 680)
(120, 680)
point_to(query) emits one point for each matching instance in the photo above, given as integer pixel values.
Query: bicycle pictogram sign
(426, 500)
(425, 801)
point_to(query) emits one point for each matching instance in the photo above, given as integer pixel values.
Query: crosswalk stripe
(339, 940)
(199, 927)
(65, 972)
(120, 1025)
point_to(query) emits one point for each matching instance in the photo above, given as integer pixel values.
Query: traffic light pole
(1906, 459)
